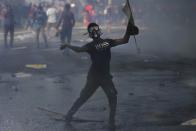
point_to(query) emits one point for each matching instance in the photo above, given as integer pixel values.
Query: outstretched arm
(74, 48)
(131, 30)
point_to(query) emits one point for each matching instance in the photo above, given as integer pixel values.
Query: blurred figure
(108, 13)
(52, 18)
(68, 21)
(8, 24)
(39, 24)
(1, 15)
(31, 12)
(89, 13)
(86, 18)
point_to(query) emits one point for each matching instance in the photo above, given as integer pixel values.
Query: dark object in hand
(134, 30)
(62, 47)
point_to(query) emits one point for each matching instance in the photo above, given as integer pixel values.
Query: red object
(89, 8)
(86, 18)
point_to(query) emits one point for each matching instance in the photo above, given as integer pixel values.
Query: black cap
(90, 25)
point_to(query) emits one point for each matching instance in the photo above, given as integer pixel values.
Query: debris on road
(19, 48)
(131, 94)
(189, 123)
(21, 75)
(84, 58)
(15, 88)
(25, 36)
(36, 66)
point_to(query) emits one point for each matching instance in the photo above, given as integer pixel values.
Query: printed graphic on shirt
(102, 46)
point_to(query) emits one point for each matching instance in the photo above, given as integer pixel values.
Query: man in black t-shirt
(99, 73)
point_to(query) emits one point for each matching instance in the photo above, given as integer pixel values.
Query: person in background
(39, 24)
(31, 10)
(52, 18)
(68, 21)
(1, 15)
(88, 15)
(86, 18)
(108, 12)
(8, 24)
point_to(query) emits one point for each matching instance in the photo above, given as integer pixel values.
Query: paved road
(154, 93)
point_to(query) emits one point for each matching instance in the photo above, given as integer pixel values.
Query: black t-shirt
(8, 18)
(68, 20)
(100, 56)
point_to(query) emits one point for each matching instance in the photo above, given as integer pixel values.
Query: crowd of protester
(100, 10)
(85, 11)
(45, 16)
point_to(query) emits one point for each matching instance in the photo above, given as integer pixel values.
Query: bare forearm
(124, 39)
(130, 30)
(127, 33)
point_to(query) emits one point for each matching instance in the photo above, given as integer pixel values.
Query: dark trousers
(8, 29)
(66, 34)
(42, 31)
(90, 87)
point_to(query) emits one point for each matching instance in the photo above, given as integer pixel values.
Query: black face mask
(94, 32)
